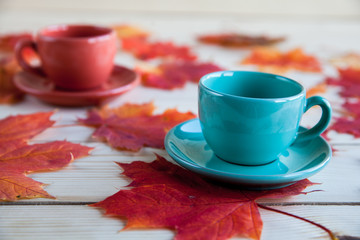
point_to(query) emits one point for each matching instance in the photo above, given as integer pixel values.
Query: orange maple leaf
(238, 40)
(349, 60)
(132, 126)
(8, 91)
(17, 158)
(317, 89)
(9, 66)
(129, 31)
(271, 58)
(24, 127)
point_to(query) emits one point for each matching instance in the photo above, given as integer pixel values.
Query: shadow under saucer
(121, 80)
(185, 143)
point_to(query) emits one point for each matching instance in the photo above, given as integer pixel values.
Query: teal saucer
(185, 143)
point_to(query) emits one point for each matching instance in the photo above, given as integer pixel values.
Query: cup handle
(24, 43)
(323, 122)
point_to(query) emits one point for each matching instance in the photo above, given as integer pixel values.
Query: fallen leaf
(9, 66)
(317, 89)
(175, 74)
(24, 127)
(22, 159)
(132, 126)
(238, 40)
(17, 158)
(347, 125)
(350, 121)
(129, 31)
(352, 108)
(349, 60)
(266, 57)
(8, 91)
(348, 80)
(144, 49)
(164, 195)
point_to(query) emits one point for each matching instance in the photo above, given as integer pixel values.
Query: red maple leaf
(348, 80)
(167, 196)
(352, 108)
(175, 74)
(144, 49)
(17, 158)
(350, 122)
(347, 125)
(266, 57)
(132, 126)
(238, 40)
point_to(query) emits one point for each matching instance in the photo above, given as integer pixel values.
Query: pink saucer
(121, 81)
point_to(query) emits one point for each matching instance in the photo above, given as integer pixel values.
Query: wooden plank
(83, 222)
(335, 8)
(65, 222)
(336, 34)
(96, 177)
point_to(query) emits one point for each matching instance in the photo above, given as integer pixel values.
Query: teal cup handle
(321, 124)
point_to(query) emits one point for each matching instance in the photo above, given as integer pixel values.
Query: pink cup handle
(22, 62)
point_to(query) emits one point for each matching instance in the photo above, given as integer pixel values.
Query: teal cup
(250, 118)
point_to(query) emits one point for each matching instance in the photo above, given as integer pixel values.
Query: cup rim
(57, 27)
(287, 98)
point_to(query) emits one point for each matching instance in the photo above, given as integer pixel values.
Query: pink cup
(74, 57)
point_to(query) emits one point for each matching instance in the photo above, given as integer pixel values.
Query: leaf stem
(331, 234)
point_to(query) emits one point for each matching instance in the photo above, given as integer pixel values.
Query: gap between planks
(48, 203)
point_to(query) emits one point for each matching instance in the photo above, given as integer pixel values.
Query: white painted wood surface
(45, 222)
(322, 8)
(93, 178)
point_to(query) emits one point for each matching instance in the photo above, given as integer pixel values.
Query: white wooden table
(91, 179)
